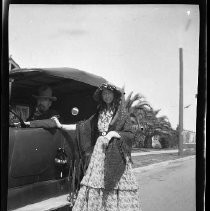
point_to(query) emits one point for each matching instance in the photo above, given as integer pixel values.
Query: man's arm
(45, 123)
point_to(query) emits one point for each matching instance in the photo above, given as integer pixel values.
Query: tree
(145, 120)
(137, 113)
(155, 126)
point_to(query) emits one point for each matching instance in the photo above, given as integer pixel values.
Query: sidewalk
(161, 164)
(152, 152)
(153, 158)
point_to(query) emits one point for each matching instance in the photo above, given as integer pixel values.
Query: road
(168, 188)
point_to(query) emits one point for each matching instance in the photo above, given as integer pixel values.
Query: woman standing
(105, 142)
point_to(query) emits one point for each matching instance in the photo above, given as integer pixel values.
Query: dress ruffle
(90, 197)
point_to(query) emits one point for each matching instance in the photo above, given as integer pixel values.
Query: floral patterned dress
(124, 197)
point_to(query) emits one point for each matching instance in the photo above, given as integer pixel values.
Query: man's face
(43, 104)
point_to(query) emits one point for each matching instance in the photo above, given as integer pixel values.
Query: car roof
(52, 74)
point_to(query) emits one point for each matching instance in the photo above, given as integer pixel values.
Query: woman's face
(107, 96)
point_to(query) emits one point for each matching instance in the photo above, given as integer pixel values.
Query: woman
(105, 140)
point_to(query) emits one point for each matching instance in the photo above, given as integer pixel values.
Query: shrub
(164, 141)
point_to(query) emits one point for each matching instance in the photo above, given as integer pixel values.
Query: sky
(136, 46)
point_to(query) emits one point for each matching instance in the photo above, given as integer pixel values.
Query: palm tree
(144, 118)
(146, 124)
(153, 125)
(136, 106)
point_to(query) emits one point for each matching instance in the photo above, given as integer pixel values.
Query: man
(43, 113)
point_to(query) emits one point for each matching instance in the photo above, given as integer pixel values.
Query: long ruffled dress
(125, 195)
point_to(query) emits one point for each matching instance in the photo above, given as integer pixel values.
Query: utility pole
(180, 101)
(181, 88)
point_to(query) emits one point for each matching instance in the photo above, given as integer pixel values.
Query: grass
(144, 160)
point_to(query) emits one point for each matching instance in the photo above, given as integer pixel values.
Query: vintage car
(33, 173)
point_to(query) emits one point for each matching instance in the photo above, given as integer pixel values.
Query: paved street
(168, 188)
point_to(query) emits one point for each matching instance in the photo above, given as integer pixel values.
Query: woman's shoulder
(90, 120)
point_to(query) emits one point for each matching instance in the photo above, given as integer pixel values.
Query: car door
(32, 170)
(31, 155)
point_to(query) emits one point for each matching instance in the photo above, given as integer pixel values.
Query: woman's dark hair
(114, 104)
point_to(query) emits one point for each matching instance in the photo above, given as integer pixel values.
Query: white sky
(132, 45)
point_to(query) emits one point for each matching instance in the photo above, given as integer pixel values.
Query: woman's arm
(64, 126)
(68, 127)
(112, 134)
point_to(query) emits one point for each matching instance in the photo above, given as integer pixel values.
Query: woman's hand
(112, 134)
(58, 124)
(63, 126)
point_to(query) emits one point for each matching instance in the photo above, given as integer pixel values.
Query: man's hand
(16, 124)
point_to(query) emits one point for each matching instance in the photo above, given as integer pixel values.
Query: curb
(153, 152)
(156, 152)
(160, 164)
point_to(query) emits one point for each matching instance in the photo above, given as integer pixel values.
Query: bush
(173, 140)
(164, 141)
(138, 140)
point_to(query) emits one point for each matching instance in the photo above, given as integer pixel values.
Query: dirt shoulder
(145, 160)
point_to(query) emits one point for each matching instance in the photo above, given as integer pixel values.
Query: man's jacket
(43, 120)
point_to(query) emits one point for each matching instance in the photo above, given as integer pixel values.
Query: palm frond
(163, 118)
(156, 112)
(143, 105)
(132, 100)
(128, 99)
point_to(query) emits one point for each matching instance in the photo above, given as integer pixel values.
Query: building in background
(189, 137)
(12, 64)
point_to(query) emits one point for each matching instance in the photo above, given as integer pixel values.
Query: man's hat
(45, 92)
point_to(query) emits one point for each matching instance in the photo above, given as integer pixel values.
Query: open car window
(72, 87)
(22, 111)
